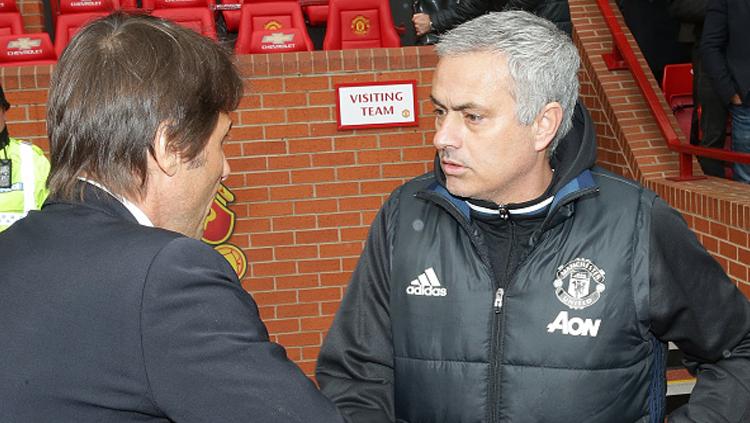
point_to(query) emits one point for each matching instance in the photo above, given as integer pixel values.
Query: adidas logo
(427, 285)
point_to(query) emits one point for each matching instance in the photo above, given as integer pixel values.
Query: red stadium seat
(271, 16)
(172, 4)
(232, 17)
(68, 25)
(199, 19)
(677, 85)
(26, 49)
(360, 24)
(87, 6)
(8, 6)
(11, 23)
(274, 41)
(317, 14)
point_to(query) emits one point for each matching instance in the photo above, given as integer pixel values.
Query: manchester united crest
(360, 25)
(579, 283)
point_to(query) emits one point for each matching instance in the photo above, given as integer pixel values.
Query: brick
(275, 297)
(335, 279)
(284, 100)
(297, 310)
(311, 353)
(316, 206)
(379, 156)
(274, 268)
(291, 192)
(319, 294)
(357, 173)
(309, 145)
(354, 234)
(296, 161)
(255, 255)
(298, 339)
(307, 83)
(257, 284)
(270, 209)
(312, 175)
(293, 222)
(283, 326)
(316, 323)
(297, 281)
(341, 250)
(337, 189)
(336, 220)
(297, 252)
(333, 159)
(361, 203)
(272, 239)
(287, 131)
(316, 236)
(316, 266)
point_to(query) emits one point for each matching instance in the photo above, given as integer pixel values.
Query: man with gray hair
(521, 283)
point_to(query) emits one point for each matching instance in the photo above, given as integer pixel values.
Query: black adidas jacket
(687, 299)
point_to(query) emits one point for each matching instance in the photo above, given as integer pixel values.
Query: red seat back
(26, 49)
(171, 4)
(199, 19)
(317, 14)
(232, 17)
(88, 6)
(68, 25)
(677, 81)
(270, 16)
(11, 23)
(360, 24)
(275, 41)
(8, 6)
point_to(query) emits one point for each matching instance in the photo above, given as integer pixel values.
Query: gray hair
(542, 61)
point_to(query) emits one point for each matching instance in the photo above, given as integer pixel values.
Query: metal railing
(623, 57)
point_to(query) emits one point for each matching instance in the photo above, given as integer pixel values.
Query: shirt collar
(137, 213)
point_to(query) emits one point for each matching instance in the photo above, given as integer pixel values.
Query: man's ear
(546, 124)
(167, 159)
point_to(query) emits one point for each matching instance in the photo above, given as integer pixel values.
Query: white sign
(376, 104)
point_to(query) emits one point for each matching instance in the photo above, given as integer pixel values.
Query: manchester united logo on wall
(360, 25)
(219, 226)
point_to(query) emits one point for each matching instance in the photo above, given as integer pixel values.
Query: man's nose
(449, 132)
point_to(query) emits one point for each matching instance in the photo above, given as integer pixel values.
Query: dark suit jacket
(725, 47)
(105, 320)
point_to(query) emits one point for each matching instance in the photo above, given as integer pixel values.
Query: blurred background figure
(439, 21)
(23, 174)
(726, 59)
(709, 120)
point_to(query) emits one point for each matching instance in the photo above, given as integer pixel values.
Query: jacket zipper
(496, 341)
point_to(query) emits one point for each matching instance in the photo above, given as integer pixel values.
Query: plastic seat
(274, 41)
(317, 14)
(67, 7)
(232, 17)
(356, 24)
(68, 25)
(26, 49)
(11, 23)
(173, 4)
(677, 85)
(199, 19)
(272, 16)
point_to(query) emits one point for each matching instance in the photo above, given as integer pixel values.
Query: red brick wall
(306, 193)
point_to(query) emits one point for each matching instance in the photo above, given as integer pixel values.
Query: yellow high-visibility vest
(28, 190)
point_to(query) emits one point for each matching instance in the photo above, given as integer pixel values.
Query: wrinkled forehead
(471, 77)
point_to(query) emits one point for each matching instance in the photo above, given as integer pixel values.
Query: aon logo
(574, 326)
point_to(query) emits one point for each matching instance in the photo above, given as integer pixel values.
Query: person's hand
(736, 100)
(422, 23)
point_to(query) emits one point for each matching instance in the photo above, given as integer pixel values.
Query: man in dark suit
(726, 60)
(110, 309)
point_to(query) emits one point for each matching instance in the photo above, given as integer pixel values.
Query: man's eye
(439, 112)
(471, 117)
